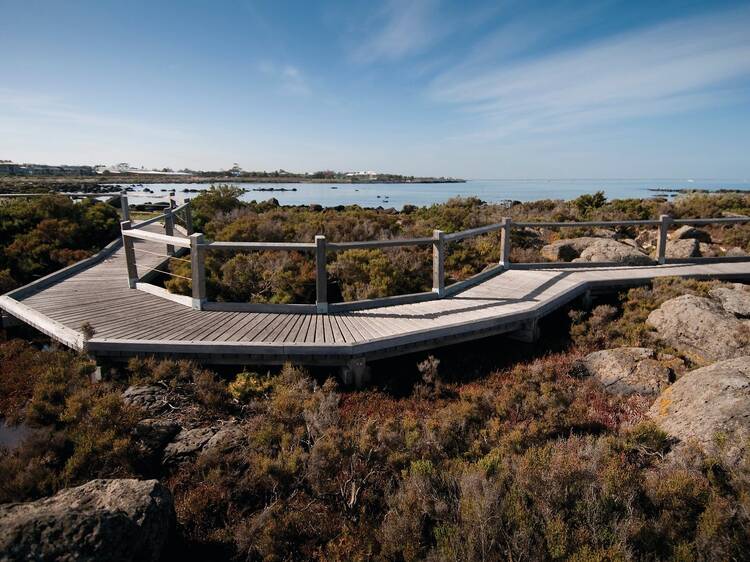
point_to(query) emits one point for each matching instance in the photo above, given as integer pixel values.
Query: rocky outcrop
(684, 248)
(709, 250)
(567, 250)
(710, 406)
(189, 443)
(735, 299)
(631, 370)
(690, 232)
(646, 239)
(735, 252)
(612, 251)
(151, 398)
(226, 438)
(155, 433)
(701, 328)
(113, 520)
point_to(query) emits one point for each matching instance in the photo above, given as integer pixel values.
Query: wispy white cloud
(25, 107)
(675, 66)
(401, 28)
(290, 78)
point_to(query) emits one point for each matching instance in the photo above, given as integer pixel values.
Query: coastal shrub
(704, 205)
(587, 203)
(213, 201)
(273, 277)
(77, 430)
(366, 274)
(247, 386)
(210, 390)
(41, 234)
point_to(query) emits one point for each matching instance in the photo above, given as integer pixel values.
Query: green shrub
(247, 386)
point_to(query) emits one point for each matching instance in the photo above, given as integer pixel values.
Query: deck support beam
(438, 262)
(127, 244)
(321, 275)
(355, 373)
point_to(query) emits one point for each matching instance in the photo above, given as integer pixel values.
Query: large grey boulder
(113, 520)
(709, 406)
(690, 232)
(701, 328)
(612, 251)
(684, 248)
(735, 299)
(630, 370)
(566, 250)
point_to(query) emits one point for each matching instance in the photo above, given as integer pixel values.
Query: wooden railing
(320, 248)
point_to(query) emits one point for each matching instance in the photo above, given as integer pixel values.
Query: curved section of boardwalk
(127, 321)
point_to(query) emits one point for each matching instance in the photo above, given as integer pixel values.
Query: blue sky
(500, 89)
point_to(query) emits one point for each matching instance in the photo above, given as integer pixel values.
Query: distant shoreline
(122, 179)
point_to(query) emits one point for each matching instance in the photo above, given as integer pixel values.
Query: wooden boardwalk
(127, 321)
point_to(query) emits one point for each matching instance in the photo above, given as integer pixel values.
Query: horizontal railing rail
(199, 246)
(259, 246)
(587, 224)
(389, 243)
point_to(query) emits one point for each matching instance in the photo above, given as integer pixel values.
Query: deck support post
(127, 244)
(124, 207)
(188, 218)
(529, 332)
(198, 270)
(661, 244)
(321, 275)
(438, 262)
(587, 300)
(355, 373)
(505, 243)
(169, 228)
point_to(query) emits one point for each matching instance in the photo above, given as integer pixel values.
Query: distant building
(369, 175)
(14, 169)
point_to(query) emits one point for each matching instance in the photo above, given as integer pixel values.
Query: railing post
(124, 207)
(505, 243)
(661, 244)
(198, 270)
(127, 244)
(172, 202)
(321, 275)
(188, 218)
(438, 262)
(169, 228)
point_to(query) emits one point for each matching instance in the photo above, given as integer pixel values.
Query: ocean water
(397, 195)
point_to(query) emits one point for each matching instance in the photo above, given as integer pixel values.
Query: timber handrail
(156, 237)
(439, 241)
